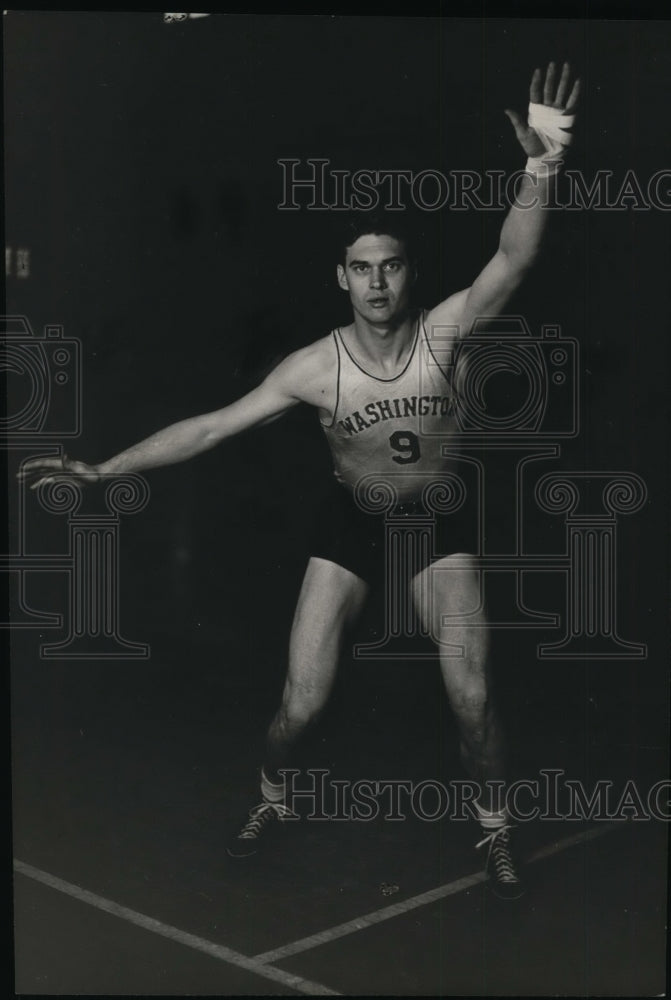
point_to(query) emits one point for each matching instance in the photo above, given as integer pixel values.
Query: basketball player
(386, 408)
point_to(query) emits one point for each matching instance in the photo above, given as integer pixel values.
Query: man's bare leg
(330, 599)
(452, 587)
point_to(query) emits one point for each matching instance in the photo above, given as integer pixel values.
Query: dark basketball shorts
(366, 543)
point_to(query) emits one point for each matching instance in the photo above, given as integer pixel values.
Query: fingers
(552, 92)
(535, 92)
(549, 87)
(35, 470)
(42, 482)
(575, 94)
(68, 476)
(560, 96)
(549, 96)
(40, 471)
(35, 466)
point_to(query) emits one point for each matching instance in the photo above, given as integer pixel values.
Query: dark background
(141, 170)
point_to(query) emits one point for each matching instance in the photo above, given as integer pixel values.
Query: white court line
(219, 951)
(575, 838)
(413, 902)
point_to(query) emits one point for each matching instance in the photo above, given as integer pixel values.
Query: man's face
(378, 277)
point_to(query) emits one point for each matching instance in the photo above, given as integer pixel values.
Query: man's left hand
(562, 95)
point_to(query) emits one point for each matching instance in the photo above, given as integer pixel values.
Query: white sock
(491, 820)
(270, 791)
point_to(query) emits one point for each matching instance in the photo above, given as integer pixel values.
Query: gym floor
(128, 777)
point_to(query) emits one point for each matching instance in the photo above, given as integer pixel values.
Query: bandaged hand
(545, 136)
(551, 126)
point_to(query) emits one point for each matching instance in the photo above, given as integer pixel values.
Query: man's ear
(342, 278)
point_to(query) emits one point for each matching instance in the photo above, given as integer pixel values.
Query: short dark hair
(378, 224)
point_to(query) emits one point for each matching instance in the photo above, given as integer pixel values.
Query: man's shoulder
(308, 372)
(314, 357)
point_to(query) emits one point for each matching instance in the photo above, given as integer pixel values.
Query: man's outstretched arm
(280, 391)
(544, 139)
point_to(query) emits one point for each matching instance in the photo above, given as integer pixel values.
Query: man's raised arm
(544, 139)
(280, 391)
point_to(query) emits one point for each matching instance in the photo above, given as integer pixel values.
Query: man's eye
(393, 265)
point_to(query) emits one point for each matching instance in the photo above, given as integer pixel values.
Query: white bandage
(551, 126)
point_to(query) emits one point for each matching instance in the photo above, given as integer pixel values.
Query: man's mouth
(378, 302)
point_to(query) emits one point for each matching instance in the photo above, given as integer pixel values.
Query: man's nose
(378, 279)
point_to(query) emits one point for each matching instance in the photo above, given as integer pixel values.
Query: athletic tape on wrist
(539, 166)
(551, 126)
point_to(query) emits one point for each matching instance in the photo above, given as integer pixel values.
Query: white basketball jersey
(395, 427)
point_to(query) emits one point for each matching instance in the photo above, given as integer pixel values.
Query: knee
(472, 706)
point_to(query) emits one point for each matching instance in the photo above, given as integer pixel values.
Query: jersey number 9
(407, 444)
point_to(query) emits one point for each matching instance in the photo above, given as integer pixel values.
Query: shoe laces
(499, 852)
(261, 815)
